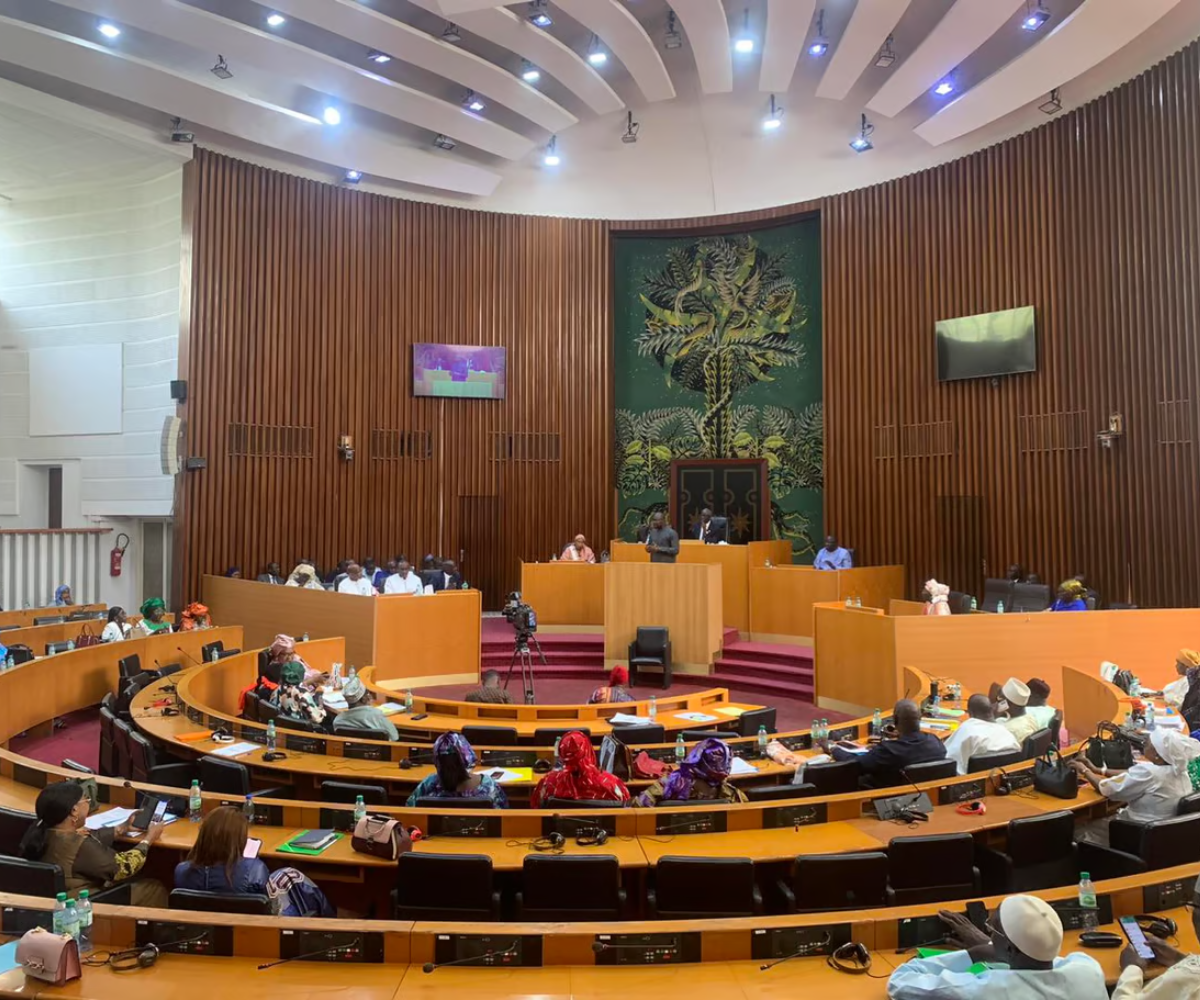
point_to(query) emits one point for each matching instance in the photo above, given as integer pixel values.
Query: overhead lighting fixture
(450, 33)
(887, 54)
(473, 103)
(773, 118)
(552, 159)
(862, 142)
(221, 69)
(632, 129)
(379, 57)
(444, 142)
(529, 72)
(179, 133)
(819, 45)
(332, 116)
(109, 30)
(539, 17)
(1053, 105)
(1035, 16)
(744, 43)
(275, 20)
(673, 39)
(596, 54)
(352, 176)
(944, 87)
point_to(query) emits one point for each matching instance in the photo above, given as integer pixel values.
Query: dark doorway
(54, 490)
(480, 556)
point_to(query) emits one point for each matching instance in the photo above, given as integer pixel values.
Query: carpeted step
(794, 689)
(770, 653)
(735, 666)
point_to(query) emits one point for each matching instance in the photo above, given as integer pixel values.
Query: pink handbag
(380, 837)
(52, 958)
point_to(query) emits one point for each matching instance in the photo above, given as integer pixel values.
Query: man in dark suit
(882, 766)
(712, 529)
(273, 575)
(447, 578)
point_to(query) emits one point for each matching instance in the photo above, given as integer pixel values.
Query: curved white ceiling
(707, 28)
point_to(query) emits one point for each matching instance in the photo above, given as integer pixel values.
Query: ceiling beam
(707, 28)
(788, 22)
(869, 28)
(627, 40)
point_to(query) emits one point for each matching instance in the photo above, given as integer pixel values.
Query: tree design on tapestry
(721, 316)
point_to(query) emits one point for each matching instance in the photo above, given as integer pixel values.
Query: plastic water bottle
(248, 809)
(84, 909)
(70, 645)
(849, 602)
(858, 602)
(999, 607)
(71, 920)
(304, 638)
(335, 675)
(762, 741)
(465, 585)
(408, 700)
(360, 809)
(195, 803)
(214, 654)
(271, 738)
(653, 708)
(1087, 902)
(353, 673)
(1149, 715)
(974, 604)
(60, 912)
(877, 723)
(680, 748)
(9, 663)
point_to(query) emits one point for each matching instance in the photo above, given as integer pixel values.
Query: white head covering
(353, 689)
(1032, 926)
(1016, 692)
(937, 591)
(1175, 748)
(1108, 670)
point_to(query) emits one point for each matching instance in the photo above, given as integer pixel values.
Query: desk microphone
(699, 819)
(333, 949)
(512, 949)
(188, 655)
(801, 950)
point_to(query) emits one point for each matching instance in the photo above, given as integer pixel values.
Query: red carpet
(79, 742)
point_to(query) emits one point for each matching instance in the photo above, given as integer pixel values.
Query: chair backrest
(651, 640)
(1037, 743)
(833, 779)
(771, 793)
(371, 735)
(439, 882)
(995, 591)
(108, 750)
(1029, 598)
(490, 736)
(206, 651)
(748, 722)
(569, 884)
(219, 902)
(297, 725)
(129, 666)
(49, 620)
(960, 603)
(1056, 724)
(639, 735)
(250, 706)
(930, 770)
(30, 878)
(1189, 804)
(141, 757)
(109, 701)
(268, 711)
(121, 748)
(345, 791)
(546, 737)
(13, 824)
(437, 802)
(227, 777)
(1036, 840)
(840, 881)
(988, 761)
(926, 863)
(1170, 842)
(554, 803)
(706, 887)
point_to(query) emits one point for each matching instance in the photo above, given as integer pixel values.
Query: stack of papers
(731, 710)
(624, 719)
(695, 717)
(335, 700)
(109, 818)
(391, 707)
(742, 767)
(235, 749)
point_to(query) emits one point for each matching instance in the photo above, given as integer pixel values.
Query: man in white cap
(360, 713)
(978, 734)
(1018, 961)
(1019, 722)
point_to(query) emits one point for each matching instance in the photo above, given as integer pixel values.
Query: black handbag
(1052, 775)
(1115, 753)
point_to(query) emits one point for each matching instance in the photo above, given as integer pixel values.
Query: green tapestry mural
(718, 355)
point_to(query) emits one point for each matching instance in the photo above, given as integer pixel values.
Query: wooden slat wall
(306, 301)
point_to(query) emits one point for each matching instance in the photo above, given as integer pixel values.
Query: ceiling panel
(788, 22)
(627, 40)
(707, 30)
(873, 21)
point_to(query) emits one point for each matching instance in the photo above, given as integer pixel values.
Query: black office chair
(636, 736)
(268, 711)
(20, 653)
(250, 707)
(960, 603)
(458, 887)
(702, 888)
(546, 737)
(54, 648)
(836, 882)
(228, 777)
(224, 654)
(747, 723)
(995, 591)
(146, 766)
(1189, 804)
(130, 691)
(1140, 847)
(129, 667)
(13, 824)
(931, 770)
(437, 803)
(929, 869)
(652, 649)
(837, 778)
(1029, 598)
(121, 748)
(207, 650)
(1037, 744)
(696, 735)
(35, 878)
(1056, 724)
(772, 793)
(297, 725)
(109, 701)
(248, 903)
(1040, 853)
(990, 761)
(560, 804)
(108, 750)
(346, 792)
(365, 735)
(566, 888)
(490, 736)
(50, 620)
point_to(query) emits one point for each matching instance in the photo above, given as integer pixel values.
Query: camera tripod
(522, 656)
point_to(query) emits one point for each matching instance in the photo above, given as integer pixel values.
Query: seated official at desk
(1072, 596)
(578, 551)
(1018, 960)
(980, 733)
(833, 556)
(1039, 706)
(273, 575)
(292, 698)
(360, 713)
(194, 616)
(661, 542)
(355, 582)
(59, 836)
(153, 621)
(62, 596)
(403, 581)
(489, 691)
(305, 577)
(453, 777)
(217, 863)
(712, 530)
(1019, 722)
(902, 746)
(446, 578)
(118, 627)
(616, 690)
(702, 777)
(580, 778)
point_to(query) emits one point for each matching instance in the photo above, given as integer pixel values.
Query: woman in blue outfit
(1072, 596)
(453, 758)
(217, 863)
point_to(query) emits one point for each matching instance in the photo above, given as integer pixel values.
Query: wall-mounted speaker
(179, 390)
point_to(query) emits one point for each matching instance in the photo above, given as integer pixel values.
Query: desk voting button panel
(920, 932)
(493, 950)
(467, 823)
(332, 946)
(1167, 895)
(799, 814)
(508, 758)
(186, 939)
(780, 942)
(367, 750)
(671, 823)
(16, 920)
(579, 826)
(1071, 913)
(647, 949)
(962, 792)
(304, 744)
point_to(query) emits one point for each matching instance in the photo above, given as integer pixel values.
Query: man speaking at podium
(661, 542)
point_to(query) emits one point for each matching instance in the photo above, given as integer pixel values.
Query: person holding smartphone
(1182, 978)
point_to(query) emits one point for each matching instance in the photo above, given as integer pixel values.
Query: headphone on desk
(851, 958)
(542, 766)
(1160, 926)
(126, 961)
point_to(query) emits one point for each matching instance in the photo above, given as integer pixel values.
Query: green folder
(290, 848)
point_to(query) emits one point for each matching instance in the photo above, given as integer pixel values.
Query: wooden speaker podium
(686, 599)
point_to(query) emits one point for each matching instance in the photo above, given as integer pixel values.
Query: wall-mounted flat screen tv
(984, 346)
(458, 370)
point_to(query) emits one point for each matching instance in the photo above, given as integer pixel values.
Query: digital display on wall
(458, 371)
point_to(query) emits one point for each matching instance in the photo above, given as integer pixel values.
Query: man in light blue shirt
(833, 556)
(1018, 961)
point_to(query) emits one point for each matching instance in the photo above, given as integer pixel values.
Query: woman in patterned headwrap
(703, 776)
(1072, 596)
(154, 619)
(939, 598)
(453, 758)
(194, 616)
(293, 699)
(580, 778)
(1186, 661)
(283, 651)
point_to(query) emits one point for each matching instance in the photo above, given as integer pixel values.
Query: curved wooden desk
(24, 618)
(36, 637)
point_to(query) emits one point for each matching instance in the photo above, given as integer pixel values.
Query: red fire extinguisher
(117, 554)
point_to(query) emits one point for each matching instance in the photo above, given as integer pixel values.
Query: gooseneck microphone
(332, 949)
(801, 950)
(188, 655)
(428, 967)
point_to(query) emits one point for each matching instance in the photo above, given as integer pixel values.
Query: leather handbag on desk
(52, 958)
(381, 837)
(1115, 752)
(1054, 776)
(86, 638)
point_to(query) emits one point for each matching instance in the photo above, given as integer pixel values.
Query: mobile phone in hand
(1133, 933)
(253, 846)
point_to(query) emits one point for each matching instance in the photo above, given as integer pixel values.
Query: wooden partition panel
(855, 659)
(782, 597)
(24, 618)
(685, 599)
(564, 593)
(435, 635)
(1086, 700)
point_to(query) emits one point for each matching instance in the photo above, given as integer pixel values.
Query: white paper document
(235, 749)
(695, 717)
(110, 817)
(742, 767)
(629, 720)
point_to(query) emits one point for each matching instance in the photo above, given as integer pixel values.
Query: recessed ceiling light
(109, 30)
(275, 20)
(379, 57)
(1035, 17)
(332, 116)
(552, 159)
(529, 72)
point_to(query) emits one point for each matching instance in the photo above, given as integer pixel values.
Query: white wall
(96, 267)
